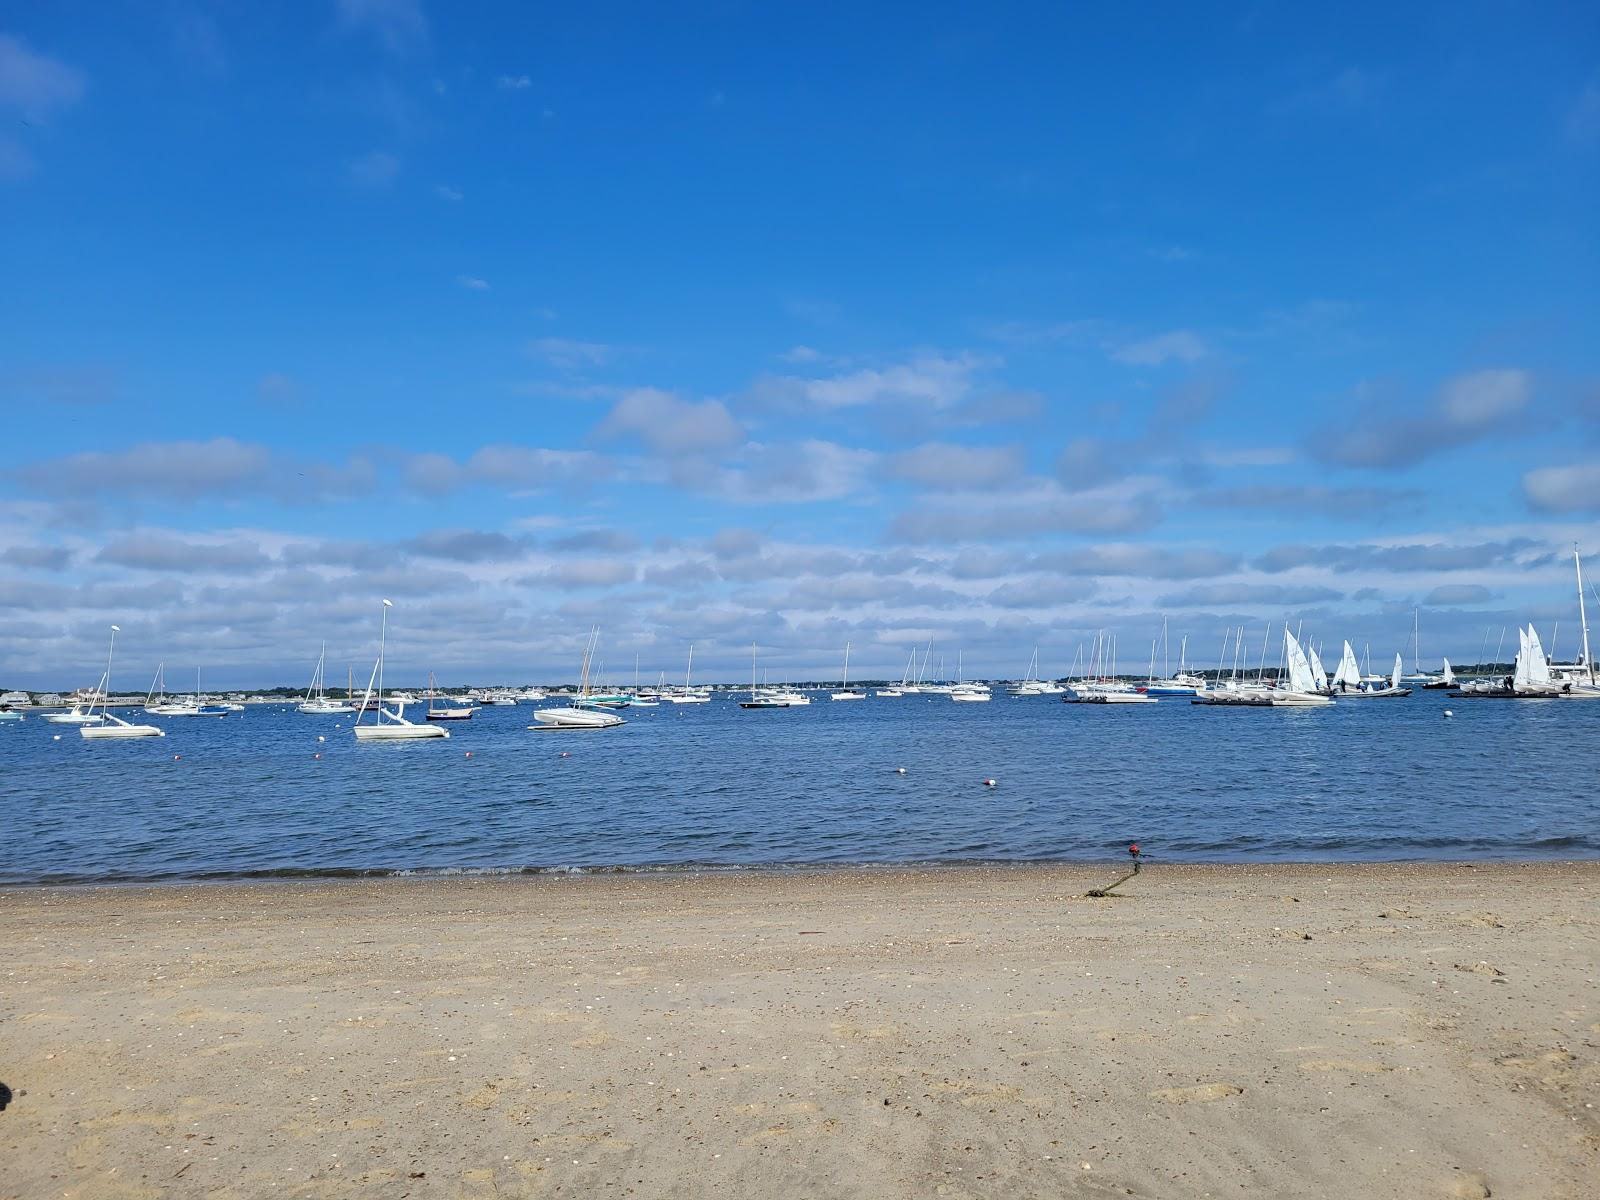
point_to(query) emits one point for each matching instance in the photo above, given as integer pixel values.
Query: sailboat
(846, 693)
(317, 701)
(1102, 686)
(186, 707)
(689, 694)
(449, 711)
(390, 725)
(583, 714)
(1579, 680)
(1302, 691)
(1382, 690)
(114, 726)
(1181, 684)
(764, 698)
(1447, 679)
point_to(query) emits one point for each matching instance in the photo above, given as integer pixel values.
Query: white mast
(1583, 613)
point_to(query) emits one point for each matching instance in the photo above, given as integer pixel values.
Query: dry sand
(1346, 1031)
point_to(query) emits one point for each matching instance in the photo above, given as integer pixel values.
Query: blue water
(715, 785)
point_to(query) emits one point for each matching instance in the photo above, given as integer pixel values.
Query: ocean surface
(716, 786)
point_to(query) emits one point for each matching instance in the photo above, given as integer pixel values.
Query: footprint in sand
(1196, 1094)
(1344, 1064)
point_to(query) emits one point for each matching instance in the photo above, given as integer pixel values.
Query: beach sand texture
(1353, 1031)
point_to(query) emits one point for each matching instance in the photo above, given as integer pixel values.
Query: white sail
(1521, 676)
(1538, 664)
(1317, 672)
(1300, 677)
(1394, 677)
(1349, 672)
(1449, 675)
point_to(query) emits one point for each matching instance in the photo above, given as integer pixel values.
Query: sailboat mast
(1416, 641)
(1583, 613)
(105, 702)
(383, 639)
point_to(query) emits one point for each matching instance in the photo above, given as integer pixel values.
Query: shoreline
(1153, 865)
(1359, 1029)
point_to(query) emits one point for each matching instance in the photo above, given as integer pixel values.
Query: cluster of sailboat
(1301, 681)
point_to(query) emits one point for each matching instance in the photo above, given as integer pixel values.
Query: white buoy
(1448, 713)
(320, 738)
(899, 770)
(58, 737)
(989, 783)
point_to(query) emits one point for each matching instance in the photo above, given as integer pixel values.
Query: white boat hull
(120, 730)
(398, 733)
(576, 718)
(74, 718)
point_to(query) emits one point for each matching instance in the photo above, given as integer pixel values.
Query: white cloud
(36, 85)
(472, 283)
(931, 381)
(793, 473)
(948, 467)
(514, 83)
(672, 427)
(1178, 346)
(1465, 409)
(517, 467)
(446, 192)
(1564, 489)
(188, 471)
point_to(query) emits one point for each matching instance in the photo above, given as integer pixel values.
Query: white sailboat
(1100, 684)
(188, 706)
(1579, 680)
(846, 693)
(1447, 679)
(317, 702)
(390, 724)
(583, 714)
(689, 694)
(114, 726)
(1301, 691)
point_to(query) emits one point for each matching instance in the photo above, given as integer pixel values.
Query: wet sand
(1385, 1031)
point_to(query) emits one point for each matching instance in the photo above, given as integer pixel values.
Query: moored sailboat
(390, 724)
(114, 726)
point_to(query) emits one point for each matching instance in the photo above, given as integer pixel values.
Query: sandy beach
(1404, 1031)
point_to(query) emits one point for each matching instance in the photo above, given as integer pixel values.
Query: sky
(729, 324)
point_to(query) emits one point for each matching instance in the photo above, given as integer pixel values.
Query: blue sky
(744, 323)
